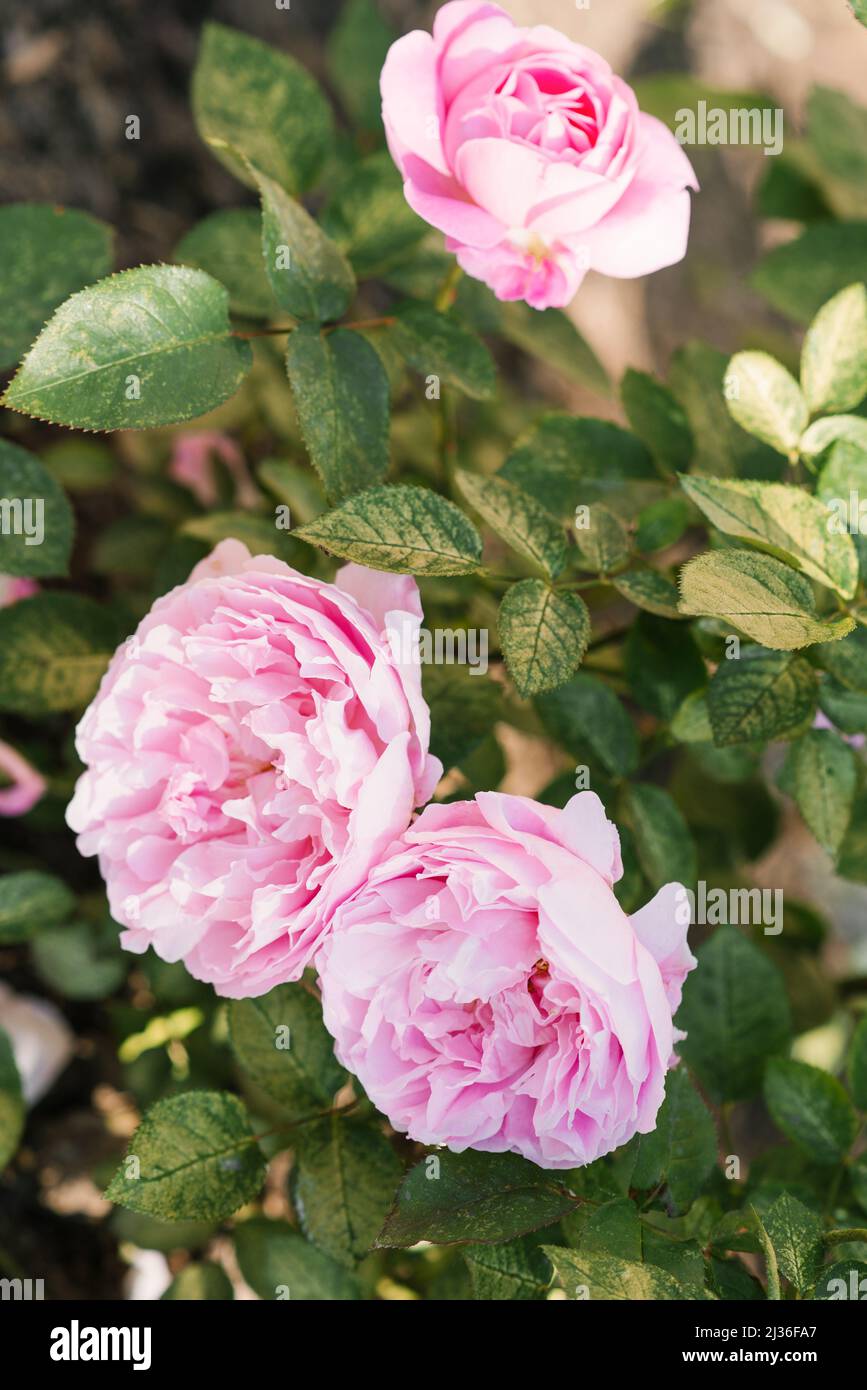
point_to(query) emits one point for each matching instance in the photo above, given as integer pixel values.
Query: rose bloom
(250, 754)
(531, 155)
(489, 992)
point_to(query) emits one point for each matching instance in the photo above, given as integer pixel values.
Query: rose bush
(531, 155)
(643, 607)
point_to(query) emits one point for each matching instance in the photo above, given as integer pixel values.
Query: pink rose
(192, 465)
(531, 155)
(250, 754)
(490, 993)
(12, 589)
(28, 785)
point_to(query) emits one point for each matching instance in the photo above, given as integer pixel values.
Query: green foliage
(761, 696)
(518, 519)
(200, 1282)
(822, 772)
(281, 1045)
(344, 1174)
(399, 529)
(811, 1108)
(543, 634)
(758, 595)
(53, 651)
(437, 345)
(31, 900)
(11, 1102)
(308, 274)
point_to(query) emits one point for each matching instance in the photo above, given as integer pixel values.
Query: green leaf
(36, 535)
(762, 695)
(198, 1281)
(838, 135)
(822, 771)
(192, 1157)
(857, 1064)
(566, 462)
(262, 105)
(370, 219)
(760, 596)
(833, 428)
(30, 901)
(257, 531)
(343, 1184)
(811, 1108)
(800, 276)
(662, 664)
(663, 841)
(796, 1233)
(464, 706)
(845, 1279)
(550, 335)
(766, 400)
(722, 448)
(783, 519)
(847, 709)
(600, 1276)
(517, 518)
(586, 711)
(543, 635)
(451, 1198)
(80, 465)
(601, 539)
(648, 590)
(834, 355)
(437, 345)
(658, 418)
(279, 1264)
(735, 1014)
(53, 650)
(691, 723)
(12, 1108)
(48, 253)
(228, 246)
(517, 1270)
(342, 398)
(355, 54)
(150, 346)
(661, 524)
(281, 1044)
(308, 274)
(80, 960)
(401, 529)
(852, 859)
(682, 1150)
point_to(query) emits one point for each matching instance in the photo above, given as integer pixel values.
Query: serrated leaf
(762, 695)
(261, 104)
(518, 518)
(796, 1234)
(603, 542)
(228, 246)
(834, 355)
(517, 1270)
(586, 711)
(845, 1279)
(401, 529)
(309, 275)
(198, 1281)
(766, 400)
(280, 1264)
(822, 771)
(53, 650)
(658, 418)
(49, 252)
(811, 1108)
(30, 901)
(437, 345)
(196, 1159)
(846, 660)
(682, 1149)
(370, 219)
(473, 1197)
(37, 521)
(566, 462)
(800, 276)
(543, 635)
(735, 1014)
(12, 1109)
(760, 596)
(648, 590)
(342, 398)
(782, 519)
(150, 346)
(663, 841)
(280, 1042)
(343, 1184)
(857, 1065)
(600, 1276)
